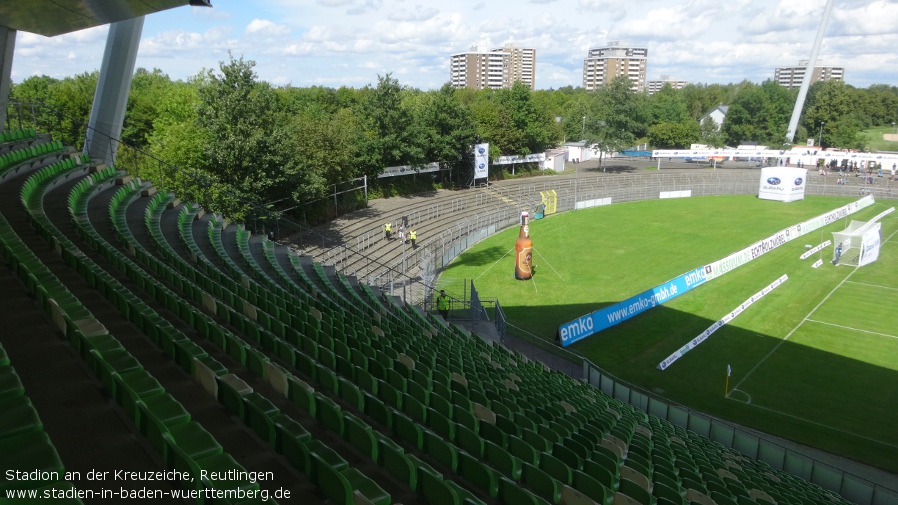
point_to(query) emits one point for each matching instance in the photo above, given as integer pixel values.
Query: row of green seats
(21, 134)
(256, 411)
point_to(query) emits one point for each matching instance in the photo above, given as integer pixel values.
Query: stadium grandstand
(151, 350)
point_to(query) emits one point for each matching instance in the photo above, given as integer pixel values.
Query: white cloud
(348, 42)
(266, 28)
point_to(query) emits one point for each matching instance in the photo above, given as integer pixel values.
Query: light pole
(820, 138)
(576, 167)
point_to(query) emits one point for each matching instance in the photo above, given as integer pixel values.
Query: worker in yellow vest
(412, 236)
(388, 228)
(443, 304)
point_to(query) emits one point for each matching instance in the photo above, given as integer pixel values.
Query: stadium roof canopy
(55, 17)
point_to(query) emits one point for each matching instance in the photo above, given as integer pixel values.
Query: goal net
(858, 244)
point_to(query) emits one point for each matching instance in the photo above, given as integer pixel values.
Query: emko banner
(481, 161)
(587, 325)
(692, 344)
(620, 312)
(783, 184)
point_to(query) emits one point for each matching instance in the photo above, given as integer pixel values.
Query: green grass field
(875, 141)
(815, 361)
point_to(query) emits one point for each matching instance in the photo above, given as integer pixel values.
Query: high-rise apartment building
(791, 77)
(603, 64)
(494, 69)
(653, 87)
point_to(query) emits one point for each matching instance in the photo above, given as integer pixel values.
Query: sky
(350, 43)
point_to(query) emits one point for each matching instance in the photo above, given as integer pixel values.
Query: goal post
(858, 244)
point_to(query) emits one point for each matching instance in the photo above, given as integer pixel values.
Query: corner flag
(726, 387)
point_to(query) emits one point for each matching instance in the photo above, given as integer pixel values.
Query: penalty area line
(816, 423)
(852, 329)
(872, 285)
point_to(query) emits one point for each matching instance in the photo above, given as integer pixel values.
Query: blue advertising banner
(619, 312)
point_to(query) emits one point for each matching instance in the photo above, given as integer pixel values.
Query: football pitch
(814, 361)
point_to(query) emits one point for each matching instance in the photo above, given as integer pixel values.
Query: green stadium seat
(302, 394)
(537, 441)
(339, 485)
(361, 436)
(329, 413)
(592, 488)
(568, 456)
(407, 429)
(157, 414)
(541, 483)
(19, 416)
(493, 433)
(391, 396)
(287, 428)
(366, 381)
(333, 459)
(636, 491)
(231, 390)
(444, 453)
(442, 425)
(327, 379)
(511, 493)
(469, 441)
(351, 394)
(399, 466)
(259, 413)
(480, 475)
(601, 473)
(435, 489)
(440, 404)
(670, 494)
(186, 443)
(556, 468)
(220, 464)
(378, 412)
(28, 452)
(502, 460)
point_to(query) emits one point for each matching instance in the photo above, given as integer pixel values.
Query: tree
(759, 113)
(449, 127)
(512, 122)
(710, 133)
(326, 148)
(177, 142)
(613, 120)
(392, 137)
(832, 103)
(674, 135)
(243, 127)
(147, 88)
(667, 105)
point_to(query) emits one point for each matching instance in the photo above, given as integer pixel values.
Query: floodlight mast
(806, 81)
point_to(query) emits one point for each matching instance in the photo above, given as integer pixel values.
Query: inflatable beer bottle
(523, 248)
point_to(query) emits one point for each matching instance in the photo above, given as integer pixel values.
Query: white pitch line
(494, 264)
(850, 433)
(783, 341)
(872, 285)
(852, 329)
